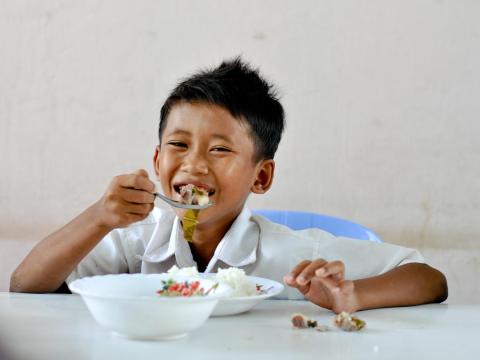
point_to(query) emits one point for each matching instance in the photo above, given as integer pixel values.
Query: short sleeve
(108, 257)
(364, 258)
(120, 251)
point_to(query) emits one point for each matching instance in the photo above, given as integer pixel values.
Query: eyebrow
(222, 137)
(188, 133)
(179, 132)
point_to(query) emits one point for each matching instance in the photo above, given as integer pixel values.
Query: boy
(219, 130)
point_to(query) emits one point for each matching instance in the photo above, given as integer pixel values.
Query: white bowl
(128, 304)
(237, 305)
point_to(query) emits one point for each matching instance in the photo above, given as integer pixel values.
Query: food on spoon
(347, 322)
(192, 195)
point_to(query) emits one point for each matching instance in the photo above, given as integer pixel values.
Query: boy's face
(204, 145)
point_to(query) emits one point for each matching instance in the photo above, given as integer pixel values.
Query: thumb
(147, 184)
(141, 172)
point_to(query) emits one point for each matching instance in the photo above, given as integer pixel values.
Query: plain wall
(381, 97)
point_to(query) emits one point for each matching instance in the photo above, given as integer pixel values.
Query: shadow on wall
(5, 354)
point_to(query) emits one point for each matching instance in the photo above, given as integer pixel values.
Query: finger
(309, 271)
(120, 207)
(292, 283)
(290, 279)
(121, 218)
(141, 172)
(330, 283)
(133, 218)
(138, 209)
(333, 268)
(137, 196)
(135, 181)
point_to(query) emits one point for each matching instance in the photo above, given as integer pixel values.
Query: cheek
(231, 170)
(164, 167)
(237, 175)
(165, 161)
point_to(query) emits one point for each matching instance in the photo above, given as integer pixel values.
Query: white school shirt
(260, 247)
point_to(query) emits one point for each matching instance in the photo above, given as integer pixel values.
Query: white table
(60, 327)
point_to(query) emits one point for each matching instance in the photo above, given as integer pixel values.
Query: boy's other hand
(129, 198)
(324, 284)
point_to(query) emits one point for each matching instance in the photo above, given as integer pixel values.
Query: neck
(206, 238)
(201, 255)
(204, 243)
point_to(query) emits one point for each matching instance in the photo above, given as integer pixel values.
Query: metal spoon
(180, 205)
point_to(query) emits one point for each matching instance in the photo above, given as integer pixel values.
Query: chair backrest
(298, 220)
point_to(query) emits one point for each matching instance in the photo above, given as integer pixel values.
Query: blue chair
(298, 220)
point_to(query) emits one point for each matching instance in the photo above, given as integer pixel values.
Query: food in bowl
(233, 277)
(247, 292)
(129, 306)
(238, 281)
(184, 288)
(186, 271)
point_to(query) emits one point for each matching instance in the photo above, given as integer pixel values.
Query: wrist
(363, 296)
(99, 225)
(357, 299)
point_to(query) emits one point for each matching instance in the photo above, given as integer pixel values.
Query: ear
(264, 179)
(155, 161)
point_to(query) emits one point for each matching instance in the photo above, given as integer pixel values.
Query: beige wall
(381, 100)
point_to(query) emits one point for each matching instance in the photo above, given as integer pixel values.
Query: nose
(195, 163)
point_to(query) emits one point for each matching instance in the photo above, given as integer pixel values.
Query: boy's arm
(406, 285)
(128, 199)
(324, 284)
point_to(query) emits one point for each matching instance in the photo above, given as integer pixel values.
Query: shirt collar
(239, 245)
(159, 247)
(237, 248)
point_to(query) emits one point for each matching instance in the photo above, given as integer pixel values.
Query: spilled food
(343, 321)
(300, 321)
(347, 322)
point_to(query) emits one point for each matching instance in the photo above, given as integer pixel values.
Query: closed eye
(220, 149)
(177, 144)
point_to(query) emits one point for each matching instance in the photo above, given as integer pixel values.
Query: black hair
(235, 86)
